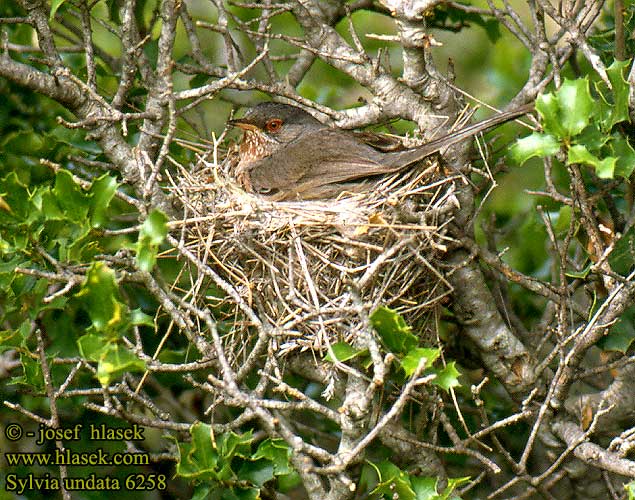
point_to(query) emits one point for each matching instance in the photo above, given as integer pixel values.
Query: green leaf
(271, 459)
(16, 204)
(70, 196)
(622, 258)
(102, 190)
(232, 445)
(603, 168)
(621, 334)
(343, 352)
(453, 484)
(207, 459)
(203, 491)
(235, 493)
(625, 154)
(83, 246)
(12, 339)
(198, 81)
(410, 362)
(567, 111)
(153, 231)
(139, 318)
(9, 266)
(579, 274)
(562, 221)
(155, 227)
(630, 490)
(536, 144)
(92, 346)
(548, 108)
(257, 472)
(22, 143)
(393, 330)
(393, 481)
(198, 459)
(99, 295)
(112, 358)
(55, 5)
(593, 137)
(44, 199)
(277, 451)
(115, 361)
(618, 108)
(447, 377)
(576, 105)
(462, 18)
(425, 488)
(9, 340)
(32, 373)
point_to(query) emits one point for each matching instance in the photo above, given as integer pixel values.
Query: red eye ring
(273, 125)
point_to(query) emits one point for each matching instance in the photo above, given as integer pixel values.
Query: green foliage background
(45, 211)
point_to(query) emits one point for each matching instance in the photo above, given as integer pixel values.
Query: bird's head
(279, 123)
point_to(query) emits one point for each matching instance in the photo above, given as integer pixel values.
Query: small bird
(288, 154)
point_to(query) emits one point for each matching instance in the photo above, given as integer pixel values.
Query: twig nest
(316, 269)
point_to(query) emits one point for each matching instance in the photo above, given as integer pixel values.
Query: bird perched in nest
(287, 153)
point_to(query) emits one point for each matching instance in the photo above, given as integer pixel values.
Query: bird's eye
(273, 125)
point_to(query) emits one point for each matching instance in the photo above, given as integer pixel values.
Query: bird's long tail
(402, 159)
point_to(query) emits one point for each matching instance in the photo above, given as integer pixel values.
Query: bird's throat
(254, 146)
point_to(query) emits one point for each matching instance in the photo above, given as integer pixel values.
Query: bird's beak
(242, 124)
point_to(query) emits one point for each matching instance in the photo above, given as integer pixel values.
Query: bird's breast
(254, 146)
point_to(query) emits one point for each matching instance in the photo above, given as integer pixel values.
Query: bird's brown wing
(319, 157)
(381, 142)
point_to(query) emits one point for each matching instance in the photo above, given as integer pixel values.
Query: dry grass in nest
(312, 267)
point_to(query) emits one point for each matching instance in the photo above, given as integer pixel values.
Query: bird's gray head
(280, 122)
